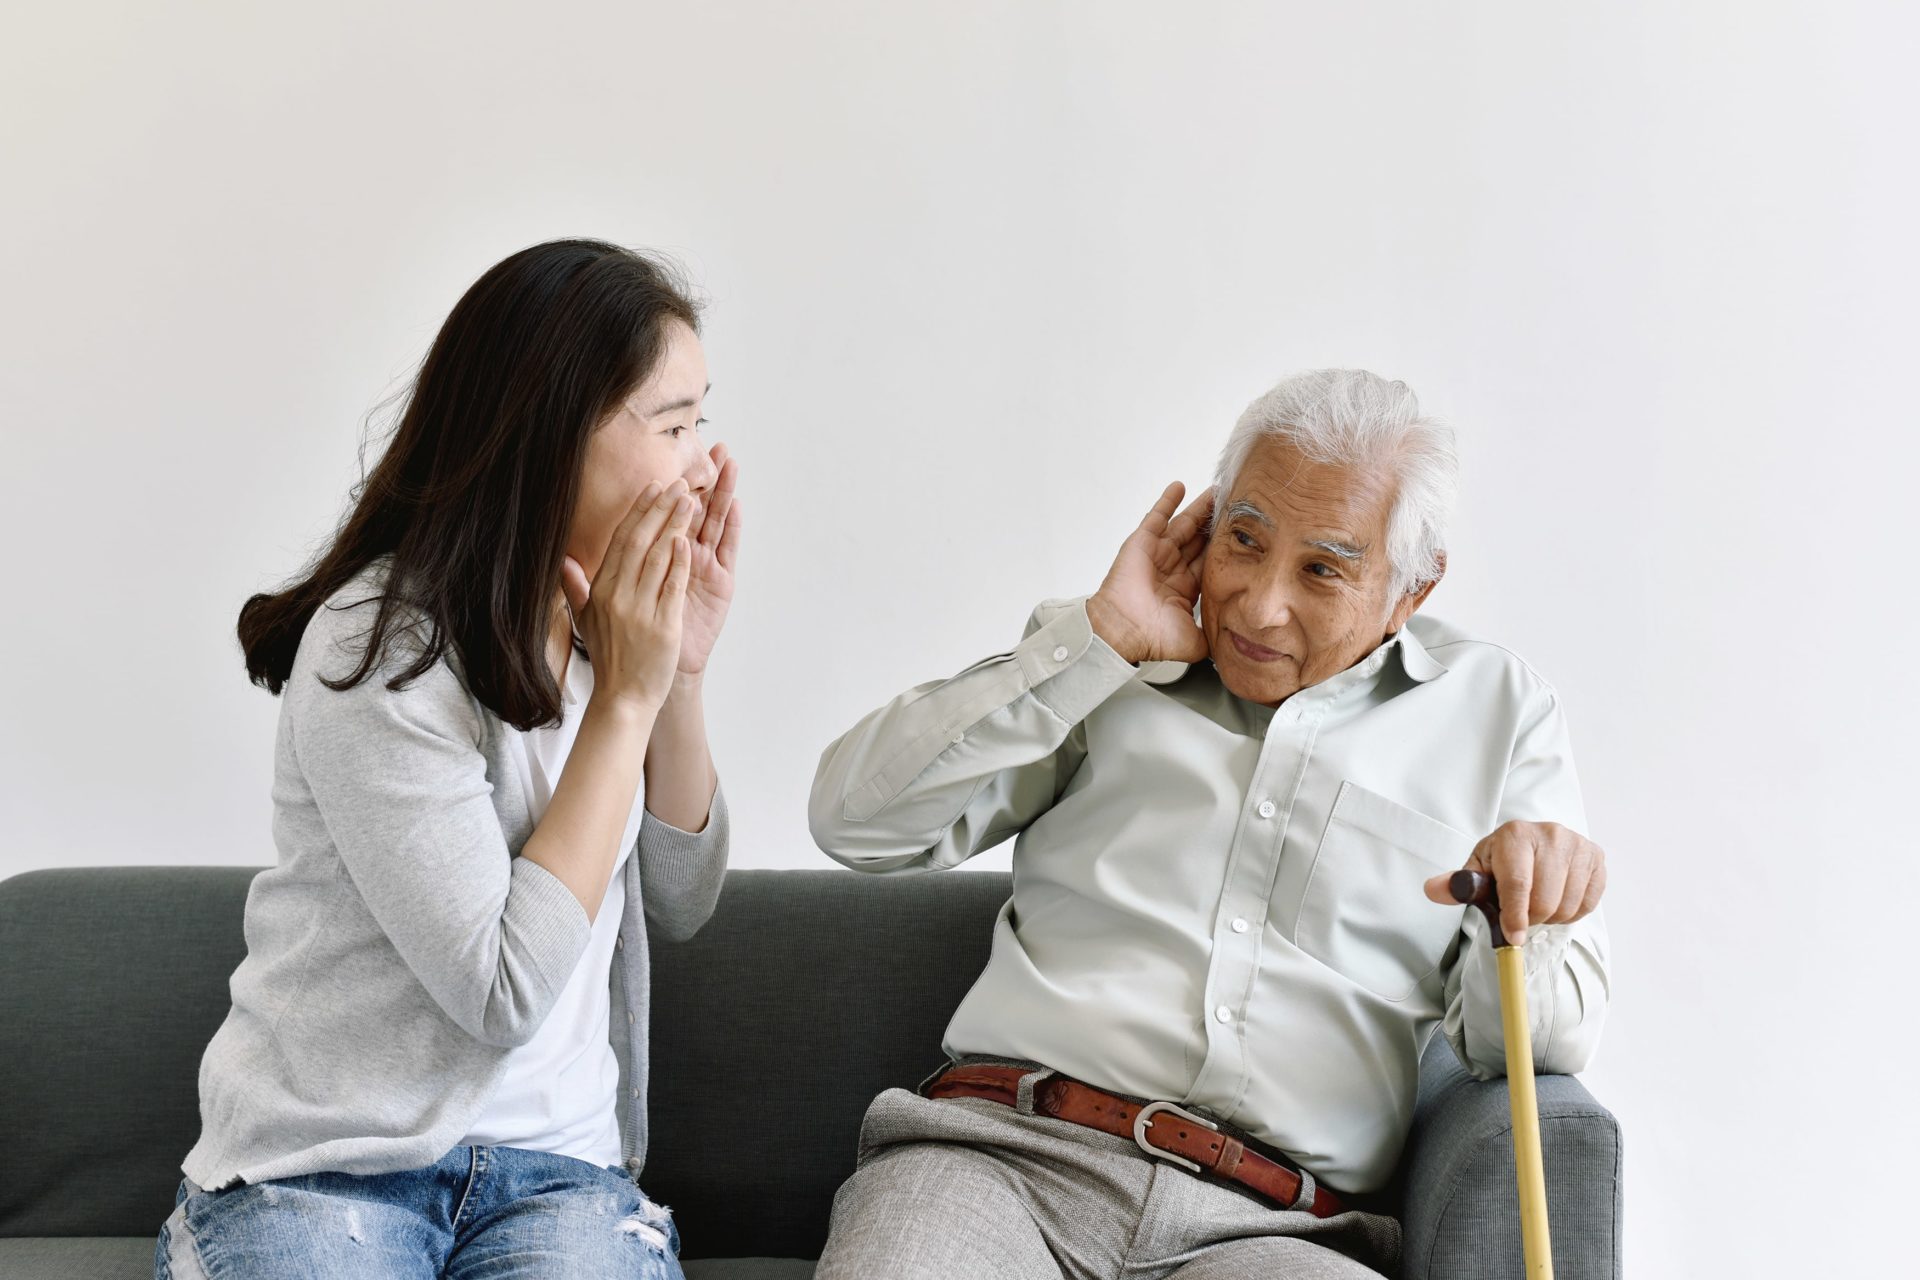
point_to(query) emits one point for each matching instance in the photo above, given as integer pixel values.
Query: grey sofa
(808, 993)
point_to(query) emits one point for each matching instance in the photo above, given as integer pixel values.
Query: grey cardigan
(401, 947)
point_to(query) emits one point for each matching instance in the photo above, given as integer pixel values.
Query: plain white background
(982, 278)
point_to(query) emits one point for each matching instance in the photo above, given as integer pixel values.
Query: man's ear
(1410, 603)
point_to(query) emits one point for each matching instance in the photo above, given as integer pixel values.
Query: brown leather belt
(1161, 1129)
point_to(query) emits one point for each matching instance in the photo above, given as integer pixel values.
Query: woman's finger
(646, 531)
(718, 503)
(616, 555)
(659, 558)
(673, 592)
(730, 538)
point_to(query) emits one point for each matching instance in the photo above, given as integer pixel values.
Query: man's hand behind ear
(1144, 609)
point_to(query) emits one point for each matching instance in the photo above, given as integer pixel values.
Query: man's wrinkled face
(1295, 586)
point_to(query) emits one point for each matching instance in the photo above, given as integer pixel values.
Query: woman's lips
(1253, 652)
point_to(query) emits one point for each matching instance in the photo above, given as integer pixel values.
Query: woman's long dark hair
(474, 497)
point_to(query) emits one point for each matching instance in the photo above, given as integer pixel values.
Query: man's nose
(1269, 603)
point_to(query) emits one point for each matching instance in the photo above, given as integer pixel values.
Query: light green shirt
(1221, 903)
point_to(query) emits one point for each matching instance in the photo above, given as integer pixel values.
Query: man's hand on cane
(1547, 873)
(1529, 873)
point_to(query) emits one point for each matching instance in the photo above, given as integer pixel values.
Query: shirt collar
(1420, 665)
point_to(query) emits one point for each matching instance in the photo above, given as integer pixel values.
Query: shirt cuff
(1070, 669)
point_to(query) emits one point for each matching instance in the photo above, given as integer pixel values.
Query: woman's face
(652, 438)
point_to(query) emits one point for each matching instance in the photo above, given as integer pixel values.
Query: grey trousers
(967, 1189)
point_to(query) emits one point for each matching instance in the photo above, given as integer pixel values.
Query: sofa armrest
(1460, 1206)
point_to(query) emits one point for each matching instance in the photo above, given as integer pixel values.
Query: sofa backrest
(112, 980)
(806, 994)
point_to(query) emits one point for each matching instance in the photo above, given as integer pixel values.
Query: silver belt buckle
(1141, 1123)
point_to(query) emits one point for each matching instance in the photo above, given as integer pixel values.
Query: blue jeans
(498, 1213)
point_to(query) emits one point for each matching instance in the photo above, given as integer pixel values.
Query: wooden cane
(1475, 888)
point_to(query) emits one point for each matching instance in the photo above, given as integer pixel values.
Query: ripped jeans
(500, 1212)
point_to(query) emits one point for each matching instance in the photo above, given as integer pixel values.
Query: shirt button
(629, 1017)
(1266, 808)
(1223, 1014)
(619, 942)
(959, 738)
(633, 1093)
(1060, 653)
(1239, 926)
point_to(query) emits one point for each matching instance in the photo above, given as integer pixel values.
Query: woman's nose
(702, 473)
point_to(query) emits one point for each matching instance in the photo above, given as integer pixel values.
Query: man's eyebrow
(1334, 547)
(684, 402)
(1251, 512)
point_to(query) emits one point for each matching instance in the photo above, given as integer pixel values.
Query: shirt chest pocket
(1365, 913)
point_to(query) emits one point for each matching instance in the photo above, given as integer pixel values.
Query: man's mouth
(1253, 652)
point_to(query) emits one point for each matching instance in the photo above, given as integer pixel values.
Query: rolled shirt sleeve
(953, 767)
(1566, 964)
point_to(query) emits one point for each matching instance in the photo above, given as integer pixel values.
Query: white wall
(982, 278)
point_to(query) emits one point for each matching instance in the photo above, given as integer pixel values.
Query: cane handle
(1476, 889)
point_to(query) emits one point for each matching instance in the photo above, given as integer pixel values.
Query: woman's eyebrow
(684, 402)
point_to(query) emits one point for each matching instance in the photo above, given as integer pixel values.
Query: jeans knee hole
(651, 1223)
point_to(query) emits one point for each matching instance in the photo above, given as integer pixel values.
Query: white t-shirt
(558, 1091)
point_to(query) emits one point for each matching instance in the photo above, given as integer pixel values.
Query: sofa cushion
(131, 1258)
(806, 994)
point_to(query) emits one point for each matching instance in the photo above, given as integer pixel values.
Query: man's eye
(1240, 536)
(1317, 565)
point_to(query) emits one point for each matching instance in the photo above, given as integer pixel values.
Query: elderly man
(1194, 1049)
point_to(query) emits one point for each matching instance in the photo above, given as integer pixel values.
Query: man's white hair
(1352, 418)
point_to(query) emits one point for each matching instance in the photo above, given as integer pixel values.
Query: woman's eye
(675, 432)
(1240, 536)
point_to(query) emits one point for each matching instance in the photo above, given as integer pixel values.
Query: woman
(491, 773)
